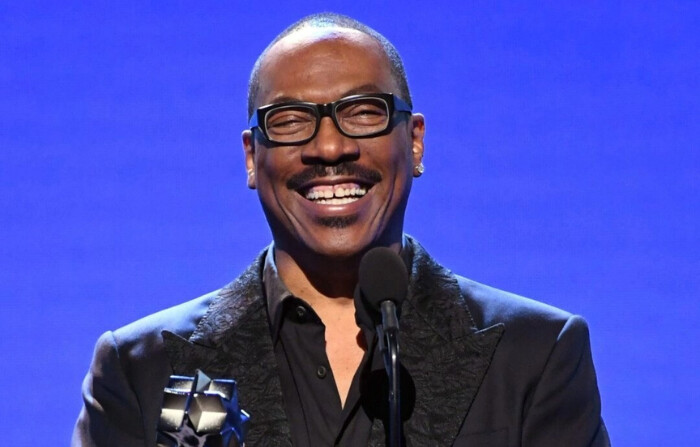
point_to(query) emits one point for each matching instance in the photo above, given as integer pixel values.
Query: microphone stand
(388, 336)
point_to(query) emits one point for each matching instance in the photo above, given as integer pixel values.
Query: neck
(320, 280)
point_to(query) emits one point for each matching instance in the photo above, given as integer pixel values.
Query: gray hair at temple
(333, 20)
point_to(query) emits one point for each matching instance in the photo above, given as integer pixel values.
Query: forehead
(323, 64)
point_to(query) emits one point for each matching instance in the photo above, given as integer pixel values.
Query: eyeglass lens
(355, 117)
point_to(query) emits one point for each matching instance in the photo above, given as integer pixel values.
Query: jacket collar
(232, 341)
(442, 350)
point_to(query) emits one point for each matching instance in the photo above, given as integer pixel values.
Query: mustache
(319, 171)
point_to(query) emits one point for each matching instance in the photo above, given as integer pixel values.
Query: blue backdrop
(562, 164)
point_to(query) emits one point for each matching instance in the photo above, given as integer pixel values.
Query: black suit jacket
(489, 368)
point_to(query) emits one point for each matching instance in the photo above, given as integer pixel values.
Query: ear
(249, 150)
(417, 134)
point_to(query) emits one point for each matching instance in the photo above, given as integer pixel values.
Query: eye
(289, 120)
(366, 111)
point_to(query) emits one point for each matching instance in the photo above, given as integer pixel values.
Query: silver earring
(420, 168)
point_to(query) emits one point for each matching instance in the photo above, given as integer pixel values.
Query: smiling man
(332, 149)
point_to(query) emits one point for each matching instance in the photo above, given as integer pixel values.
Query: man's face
(334, 196)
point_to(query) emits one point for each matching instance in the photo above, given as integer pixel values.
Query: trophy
(201, 412)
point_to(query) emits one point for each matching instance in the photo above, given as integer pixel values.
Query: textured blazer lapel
(233, 341)
(444, 353)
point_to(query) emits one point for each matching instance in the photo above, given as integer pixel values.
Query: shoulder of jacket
(489, 306)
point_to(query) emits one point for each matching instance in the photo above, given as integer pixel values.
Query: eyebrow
(365, 88)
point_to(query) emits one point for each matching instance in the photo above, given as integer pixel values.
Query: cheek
(401, 159)
(271, 166)
(274, 168)
(267, 177)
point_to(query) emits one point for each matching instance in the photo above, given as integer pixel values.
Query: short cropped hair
(333, 20)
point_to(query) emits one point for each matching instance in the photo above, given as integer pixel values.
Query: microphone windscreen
(382, 276)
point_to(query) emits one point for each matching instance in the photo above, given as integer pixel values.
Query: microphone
(383, 284)
(382, 287)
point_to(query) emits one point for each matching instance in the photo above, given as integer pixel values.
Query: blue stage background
(562, 164)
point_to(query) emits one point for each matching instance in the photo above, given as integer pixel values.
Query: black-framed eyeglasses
(356, 116)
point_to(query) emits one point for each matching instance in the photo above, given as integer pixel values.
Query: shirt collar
(276, 291)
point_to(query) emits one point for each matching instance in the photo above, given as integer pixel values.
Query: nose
(329, 146)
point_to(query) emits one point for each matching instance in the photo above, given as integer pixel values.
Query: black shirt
(311, 400)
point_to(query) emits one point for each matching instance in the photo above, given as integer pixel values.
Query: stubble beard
(337, 222)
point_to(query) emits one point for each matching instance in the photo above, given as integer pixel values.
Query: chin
(338, 240)
(337, 223)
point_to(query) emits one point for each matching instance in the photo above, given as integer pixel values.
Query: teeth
(336, 196)
(342, 201)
